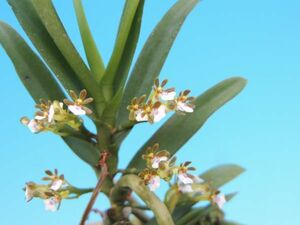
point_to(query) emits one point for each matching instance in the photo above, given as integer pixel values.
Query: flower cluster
(51, 116)
(159, 103)
(52, 193)
(161, 166)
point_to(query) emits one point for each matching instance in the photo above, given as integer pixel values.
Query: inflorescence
(159, 103)
(52, 116)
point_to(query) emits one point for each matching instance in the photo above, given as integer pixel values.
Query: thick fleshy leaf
(154, 54)
(221, 175)
(38, 34)
(93, 56)
(159, 209)
(35, 76)
(179, 129)
(123, 34)
(84, 150)
(54, 27)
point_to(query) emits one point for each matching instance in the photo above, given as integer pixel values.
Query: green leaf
(154, 54)
(221, 175)
(54, 27)
(129, 49)
(159, 209)
(93, 56)
(123, 34)
(40, 84)
(38, 34)
(35, 76)
(179, 129)
(83, 149)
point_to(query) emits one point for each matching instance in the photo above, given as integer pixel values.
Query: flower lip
(52, 204)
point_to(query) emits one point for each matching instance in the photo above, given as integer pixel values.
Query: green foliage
(154, 54)
(112, 91)
(93, 56)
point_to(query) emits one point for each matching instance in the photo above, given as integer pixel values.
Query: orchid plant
(65, 89)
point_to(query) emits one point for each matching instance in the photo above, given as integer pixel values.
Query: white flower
(184, 107)
(28, 193)
(77, 110)
(159, 113)
(220, 200)
(168, 95)
(51, 112)
(140, 117)
(154, 183)
(51, 204)
(156, 161)
(185, 178)
(33, 126)
(185, 188)
(56, 185)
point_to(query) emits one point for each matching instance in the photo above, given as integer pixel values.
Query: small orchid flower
(154, 183)
(161, 93)
(29, 191)
(46, 112)
(52, 204)
(159, 113)
(56, 184)
(183, 175)
(154, 157)
(150, 178)
(33, 124)
(157, 160)
(78, 106)
(185, 178)
(140, 116)
(154, 111)
(219, 199)
(135, 109)
(184, 103)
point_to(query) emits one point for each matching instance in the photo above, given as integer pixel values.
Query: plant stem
(103, 175)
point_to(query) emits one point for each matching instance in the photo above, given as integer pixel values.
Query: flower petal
(168, 96)
(181, 106)
(185, 179)
(51, 204)
(76, 110)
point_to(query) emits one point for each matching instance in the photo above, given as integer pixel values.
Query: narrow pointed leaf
(38, 34)
(54, 27)
(221, 175)
(93, 56)
(40, 83)
(159, 209)
(123, 33)
(154, 54)
(35, 76)
(129, 49)
(179, 129)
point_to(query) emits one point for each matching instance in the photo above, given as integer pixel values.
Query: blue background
(258, 130)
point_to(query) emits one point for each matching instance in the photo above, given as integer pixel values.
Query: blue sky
(259, 129)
